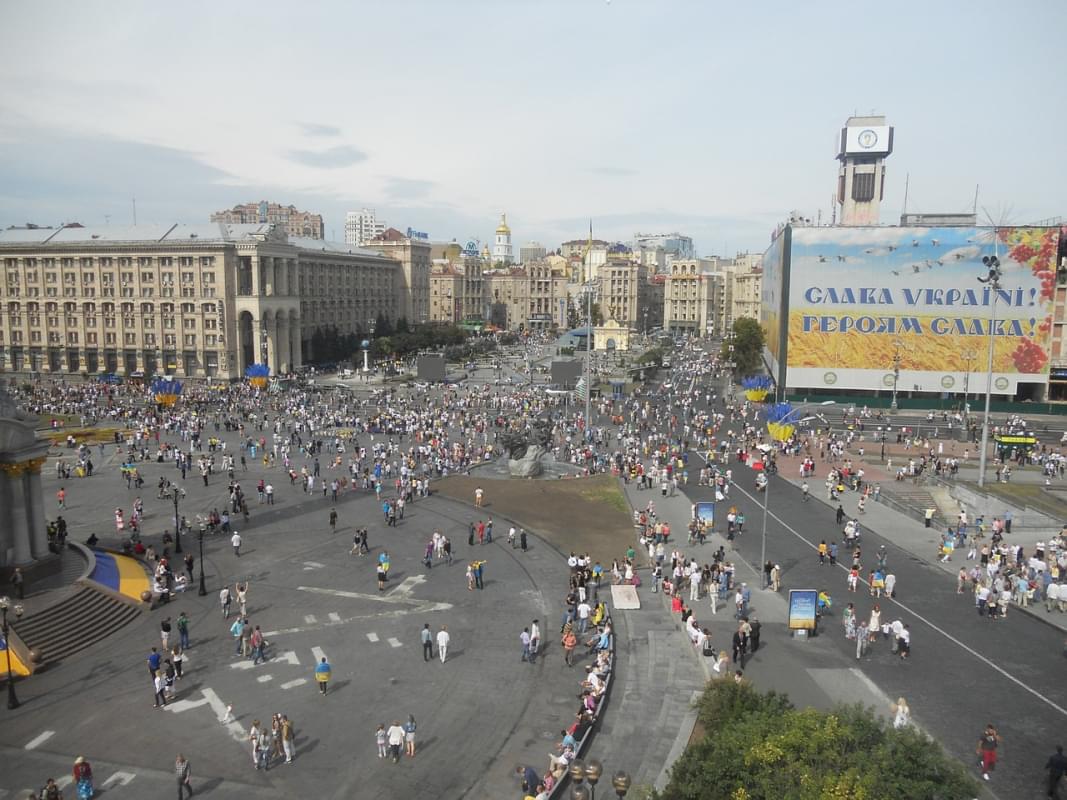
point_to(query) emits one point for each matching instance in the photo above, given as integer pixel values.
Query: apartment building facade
(295, 223)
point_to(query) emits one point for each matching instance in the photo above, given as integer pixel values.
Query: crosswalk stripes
(372, 637)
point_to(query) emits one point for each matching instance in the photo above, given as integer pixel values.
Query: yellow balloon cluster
(756, 395)
(781, 432)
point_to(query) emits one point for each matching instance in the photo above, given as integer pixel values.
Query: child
(379, 737)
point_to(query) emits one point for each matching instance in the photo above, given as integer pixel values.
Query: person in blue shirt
(322, 675)
(530, 778)
(154, 660)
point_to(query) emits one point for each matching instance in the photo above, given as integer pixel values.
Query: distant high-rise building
(295, 223)
(532, 251)
(362, 226)
(675, 245)
(502, 253)
(865, 143)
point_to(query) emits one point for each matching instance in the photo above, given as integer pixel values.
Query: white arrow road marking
(120, 778)
(39, 740)
(309, 565)
(289, 656)
(372, 636)
(209, 698)
(310, 619)
(334, 616)
(317, 654)
(265, 678)
(398, 597)
(406, 586)
(294, 684)
(394, 642)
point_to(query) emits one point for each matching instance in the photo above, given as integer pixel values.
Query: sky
(715, 119)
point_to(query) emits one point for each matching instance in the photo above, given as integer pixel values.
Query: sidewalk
(905, 531)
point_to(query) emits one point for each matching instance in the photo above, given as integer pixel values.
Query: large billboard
(860, 298)
(773, 290)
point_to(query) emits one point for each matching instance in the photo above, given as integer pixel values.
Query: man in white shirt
(442, 643)
(395, 736)
(584, 610)
(235, 540)
(1052, 597)
(694, 584)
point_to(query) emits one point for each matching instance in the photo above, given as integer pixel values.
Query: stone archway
(246, 346)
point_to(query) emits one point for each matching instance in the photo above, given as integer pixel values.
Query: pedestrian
(738, 643)
(288, 739)
(987, 750)
(18, 583)
(333, 520)
(427, 642)
(83, 777)
(409, 736)
(183, 630)
(241, 590)
(164, 633)
(753, 636)
(189, 561)
(395, 734)
(569, 642)
(184, 775)
(535, 639)
(382, 576)
(224, 601)
(159, 686)
(177, 657)
(443, 639)
(322, 675)
(479, 497)
(522, 539)
(235, 541)
(155, 660)
(901, 713)
(1056, 766)
(381, 740)
(524, 638)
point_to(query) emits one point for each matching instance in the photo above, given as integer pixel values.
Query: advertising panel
(704, 512)
(802, 606)
(771, 296)
(859, 298)
(868, 139)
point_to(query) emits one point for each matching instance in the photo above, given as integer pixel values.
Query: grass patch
(607, 493)
(1025, 494)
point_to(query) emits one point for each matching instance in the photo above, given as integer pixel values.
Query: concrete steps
(80, 620)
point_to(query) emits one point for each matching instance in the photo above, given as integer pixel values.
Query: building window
(863, 187)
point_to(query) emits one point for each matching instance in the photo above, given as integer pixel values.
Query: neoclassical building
(197, 301)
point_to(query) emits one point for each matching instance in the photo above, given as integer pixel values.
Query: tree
(382, 327)
(402, 325)
(748, 343)
(761, 748)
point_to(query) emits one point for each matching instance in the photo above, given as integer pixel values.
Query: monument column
(35, 502)
(18, 515)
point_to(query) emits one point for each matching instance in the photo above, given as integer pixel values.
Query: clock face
(867, 139)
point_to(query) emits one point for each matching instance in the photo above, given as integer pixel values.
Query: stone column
(271, 264)
(35, 502)
(7, 527)
(282, 345)
(19, 514)
(256, 288)
(270, 335)
(296, 354)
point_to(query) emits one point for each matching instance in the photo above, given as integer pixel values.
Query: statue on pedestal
(526, 447)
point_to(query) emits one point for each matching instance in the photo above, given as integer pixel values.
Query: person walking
(83, 777)
(381, 740)
(184, 774)
(535, 639)
(235, 541)
(569, 641)
(987, 750)
(395, 736)
(443, 639)
(427, 642)
(159, 686)
(322, 675)
(288, 739)
(901, 713)
(333, 520)
(224, 601)
(479, 497)
(183, 630)
(409, 736)
(524, 639)
(164, 633)
(1056, 766)
(18, 583)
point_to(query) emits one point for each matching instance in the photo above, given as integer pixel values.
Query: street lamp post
(5, 604)
(993, 279)
(588, 354)
(177, 521)
(896, 371)
(969, 357)
(767, 488)
(203, 588)
(592, 772)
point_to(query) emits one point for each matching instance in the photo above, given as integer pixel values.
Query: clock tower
(864, 144)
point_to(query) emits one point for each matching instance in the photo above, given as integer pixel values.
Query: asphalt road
(964, 671)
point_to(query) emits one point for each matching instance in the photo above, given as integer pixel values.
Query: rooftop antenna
(975, 207)
(907, 182)
(833, 210)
